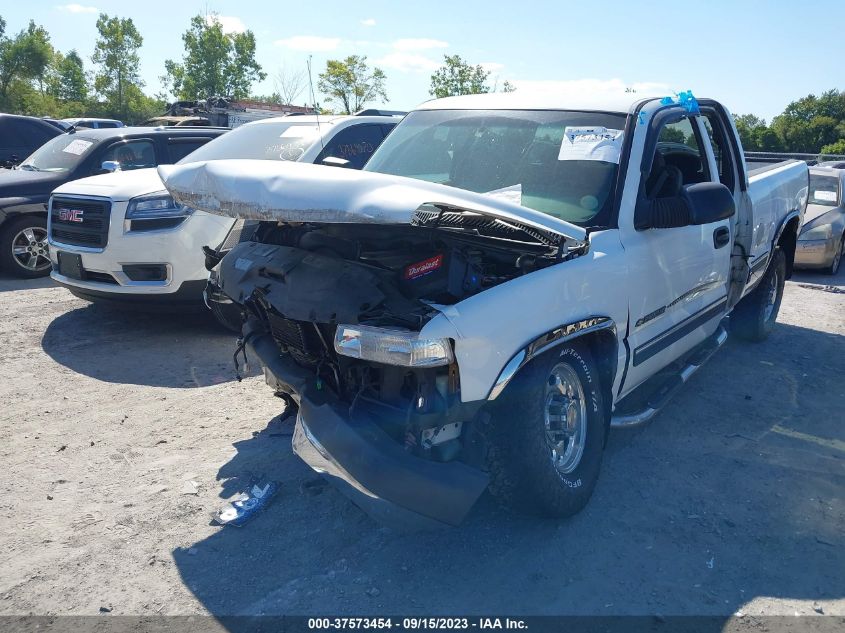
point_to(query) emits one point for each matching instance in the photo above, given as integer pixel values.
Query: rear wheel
(837, 258)
(546, 435)
(755, 316)
(23, 247)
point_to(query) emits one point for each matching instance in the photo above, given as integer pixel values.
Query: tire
(837, 258)
(754, 317)
(523, 475)
(228, 315)
(23, 240)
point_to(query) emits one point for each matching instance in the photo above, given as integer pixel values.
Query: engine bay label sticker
(77, 146)
(591, 143)
(420, 269)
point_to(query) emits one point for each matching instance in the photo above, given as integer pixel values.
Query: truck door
(678, 276)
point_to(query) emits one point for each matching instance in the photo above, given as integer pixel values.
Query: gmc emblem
(70, 215)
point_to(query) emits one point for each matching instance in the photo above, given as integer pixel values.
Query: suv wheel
(23, 247)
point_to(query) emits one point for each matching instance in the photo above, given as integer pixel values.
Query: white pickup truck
(509, 277)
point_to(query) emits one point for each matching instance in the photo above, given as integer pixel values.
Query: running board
(662, 395)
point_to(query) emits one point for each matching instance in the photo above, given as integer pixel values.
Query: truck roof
(604, 101)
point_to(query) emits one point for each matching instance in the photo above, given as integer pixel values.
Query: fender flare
(550, 340)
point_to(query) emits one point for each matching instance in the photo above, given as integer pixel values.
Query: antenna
(314, 103)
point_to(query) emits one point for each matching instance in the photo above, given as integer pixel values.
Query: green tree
(835, 148)
(215, 63)
(116, 55)
(68, 81)
(24, 59)
(457, 77)
(351, 84)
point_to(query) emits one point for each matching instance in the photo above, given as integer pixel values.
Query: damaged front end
(336, 313)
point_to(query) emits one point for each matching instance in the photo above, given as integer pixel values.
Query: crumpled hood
(301, 192)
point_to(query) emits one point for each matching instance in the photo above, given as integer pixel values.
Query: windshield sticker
(591, 143)
(77, 147)
(512, 194)
(298, 131)
(825, 196)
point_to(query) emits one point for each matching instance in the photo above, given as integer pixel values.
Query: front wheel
(546, 435)
(754, 316)
(23, 247)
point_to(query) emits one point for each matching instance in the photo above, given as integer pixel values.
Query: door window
(179, 148)
(681, 148)
(132, 155)
(721, 149)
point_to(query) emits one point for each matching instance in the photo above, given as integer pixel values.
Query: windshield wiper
(28, 167)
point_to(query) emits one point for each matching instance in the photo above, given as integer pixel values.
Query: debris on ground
(190, 487)
(245, 505)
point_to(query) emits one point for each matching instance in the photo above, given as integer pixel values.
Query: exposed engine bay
(299, 281)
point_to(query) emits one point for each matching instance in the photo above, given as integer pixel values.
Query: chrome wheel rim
(565, 418)
(771, 296)
(30, 250)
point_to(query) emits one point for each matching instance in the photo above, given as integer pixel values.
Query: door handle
(721, 237)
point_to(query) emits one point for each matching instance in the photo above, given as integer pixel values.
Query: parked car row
(475, 301)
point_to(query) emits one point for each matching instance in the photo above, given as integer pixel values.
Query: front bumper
(361, 459)
(815, 253)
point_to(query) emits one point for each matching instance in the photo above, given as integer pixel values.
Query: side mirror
(334, 161)
(709, 202)
(700, 203)
(110, 166)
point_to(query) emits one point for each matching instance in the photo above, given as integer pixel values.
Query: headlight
(391, 347)
(823, 232)
(156, 206)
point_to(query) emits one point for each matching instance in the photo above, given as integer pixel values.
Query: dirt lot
(732, 499)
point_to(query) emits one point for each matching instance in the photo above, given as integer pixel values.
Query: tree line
(38, 79)
(811, 125)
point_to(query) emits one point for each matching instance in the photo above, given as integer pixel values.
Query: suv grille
(80, 222)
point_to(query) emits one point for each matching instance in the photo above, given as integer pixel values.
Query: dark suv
(25, 190)
(22, 135)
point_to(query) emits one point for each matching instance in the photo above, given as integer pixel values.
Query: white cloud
(419, 44)
(369, 22)
(230, 23)
(77, 8)
(309, 43)
(407, 62)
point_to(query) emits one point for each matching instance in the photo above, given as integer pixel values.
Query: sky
(754, 55)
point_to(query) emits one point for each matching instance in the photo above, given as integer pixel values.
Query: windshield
(560, 163)
(824, 190)
(282, 140)
(61, 154)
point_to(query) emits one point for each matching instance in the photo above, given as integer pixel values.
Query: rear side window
(355, 144)
(132, 155)
(178, 148)
(721, 149)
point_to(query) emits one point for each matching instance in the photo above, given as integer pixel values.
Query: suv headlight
(822, 232)
(391, 347)
(156, 206)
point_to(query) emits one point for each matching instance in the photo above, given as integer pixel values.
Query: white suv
(149, 249)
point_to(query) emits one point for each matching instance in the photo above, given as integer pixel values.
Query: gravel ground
(730, 500)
